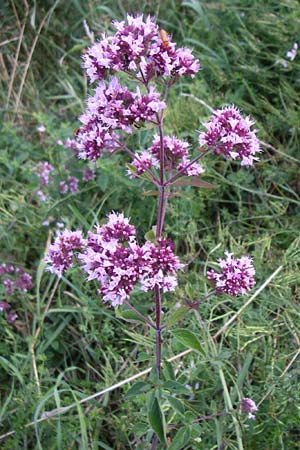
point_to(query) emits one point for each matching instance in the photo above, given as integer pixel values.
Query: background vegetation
(83, 346)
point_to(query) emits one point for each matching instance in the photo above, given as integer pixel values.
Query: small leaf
(193, 181)
(189, 339)
(151, 234)
(168, 371)
(175, 387)
(150, 193)
(131, 168)
(157, 420)
(153, 376)
(137, 389)
(176, 316)
(180, 439)
(176, 404)
(128, 315)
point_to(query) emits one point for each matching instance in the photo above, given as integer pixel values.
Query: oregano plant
(131, 73)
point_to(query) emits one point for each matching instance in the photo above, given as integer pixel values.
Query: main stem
(159, 229)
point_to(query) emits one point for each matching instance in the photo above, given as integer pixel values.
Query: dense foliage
(81, 346)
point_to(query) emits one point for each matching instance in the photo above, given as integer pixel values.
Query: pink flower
(9, 285)
(121, 51)
(248, 406)
(11, 317)
(142, 162)
(4, 268)
(24, 281)
(114, 258)
(88, 174)
(236, 276)
(41, 128)
(4, 306)
(228, 133)
(41, 195)
(73, 184)
(291, 54)
(192, 170)
(176, 153)
(63, 187)
(115, 107)
(137, 46)
(43, 168)
(60, 253)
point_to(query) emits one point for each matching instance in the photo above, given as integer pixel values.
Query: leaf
(132, 168)
(151, 234)
(157, 420)
(189, 339)
(193, 181)
(176, 404)
(150, 193)
(176, 316)
(180, 439)
(137, 389)
(153, 376)
(175, 387)
(168, 371)
(129, 315)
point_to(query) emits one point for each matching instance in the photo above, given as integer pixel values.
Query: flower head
(230, 134)
(137, 46)
(60, 253)
(176, 153)
(88, 174)
(248, 406)
(141, 163)
(236, 276)
(115, 259)
(43, 168)
(291, 54)
(24, 280)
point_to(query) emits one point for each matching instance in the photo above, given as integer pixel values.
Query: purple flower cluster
(137, 46)
(43, 168)
(112, 107)
(248, 406)
(228, 133)
(175, 157)
(71, 185)
(142, 162)
(88, 174)
(236, 276)
(112, 256)
(61, 252)
(17, 280)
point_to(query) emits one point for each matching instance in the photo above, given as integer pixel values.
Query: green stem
(229, 407)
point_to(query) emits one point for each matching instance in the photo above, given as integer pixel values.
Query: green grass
(84, 346)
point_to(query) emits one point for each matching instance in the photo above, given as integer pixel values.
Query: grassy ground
(82, 346)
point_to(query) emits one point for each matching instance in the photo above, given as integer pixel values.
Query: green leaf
(176, 316)
(176, 404)
(128, 315)
(189, 339)
(153, 376)
(175, 387)
(151, 234)
(137, 389)
(193, 181)
(168, 371)
(157, 420)
(180, 439)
